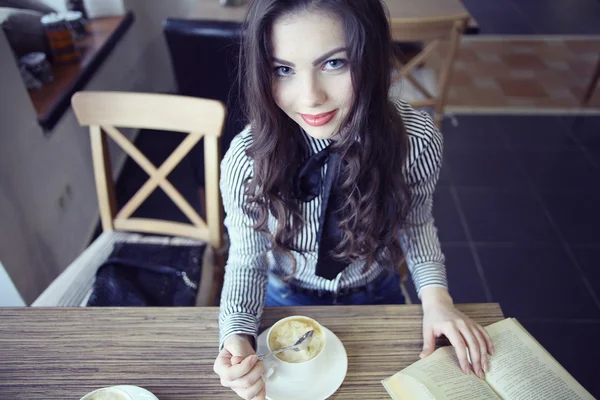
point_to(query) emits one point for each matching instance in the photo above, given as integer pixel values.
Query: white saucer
(327, 378)
(135, 392)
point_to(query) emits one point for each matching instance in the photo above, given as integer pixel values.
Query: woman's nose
(313, 92)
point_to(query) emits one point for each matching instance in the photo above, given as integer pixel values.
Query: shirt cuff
(429, 274)
(238, 324)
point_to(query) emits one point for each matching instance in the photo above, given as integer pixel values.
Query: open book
(519, 369)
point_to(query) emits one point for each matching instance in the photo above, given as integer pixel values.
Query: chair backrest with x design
(433, 32)
(199, 118)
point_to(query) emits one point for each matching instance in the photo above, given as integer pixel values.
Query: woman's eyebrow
(317, 61)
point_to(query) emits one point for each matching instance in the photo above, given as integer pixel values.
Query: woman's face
(311, 74)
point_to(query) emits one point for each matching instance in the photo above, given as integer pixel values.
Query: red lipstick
(319, 119)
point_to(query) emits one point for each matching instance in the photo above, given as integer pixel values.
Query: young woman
(330, 184)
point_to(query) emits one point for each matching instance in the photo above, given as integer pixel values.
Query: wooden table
(210, 9)
(52, 353)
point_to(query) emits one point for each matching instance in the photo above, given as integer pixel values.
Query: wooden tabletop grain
(63, 353)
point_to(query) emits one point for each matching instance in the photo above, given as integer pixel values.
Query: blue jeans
(383, 290)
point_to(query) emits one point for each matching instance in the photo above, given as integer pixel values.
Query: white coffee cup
(303, 367)
(121, 392)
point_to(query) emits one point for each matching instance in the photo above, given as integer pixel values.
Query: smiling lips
(319, 119)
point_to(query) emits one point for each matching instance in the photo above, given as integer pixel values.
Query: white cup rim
(115, 388)
(323, 338)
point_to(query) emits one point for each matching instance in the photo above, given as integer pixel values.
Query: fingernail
(486, 367)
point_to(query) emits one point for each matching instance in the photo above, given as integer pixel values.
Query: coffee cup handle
(269, 364)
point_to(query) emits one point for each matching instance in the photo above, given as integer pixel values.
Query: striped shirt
(250, 259)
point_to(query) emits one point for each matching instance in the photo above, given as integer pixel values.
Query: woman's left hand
(440, 317)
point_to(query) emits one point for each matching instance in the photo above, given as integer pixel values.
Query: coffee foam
(288, 332)
(108, 394)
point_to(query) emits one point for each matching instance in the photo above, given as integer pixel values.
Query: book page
(521, 369)
(440, 373)
(403, 387)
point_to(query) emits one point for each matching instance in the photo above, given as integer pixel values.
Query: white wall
(38, 239)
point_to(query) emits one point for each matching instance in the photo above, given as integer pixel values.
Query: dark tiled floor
(450, 228)
(480, 168)
(505, 216)
(537, 282)
(537, 134)
(525, 194)
(541, 17)
(577, 213)
(568, 169)
(585, 131)
(587, 257)
(538, 199)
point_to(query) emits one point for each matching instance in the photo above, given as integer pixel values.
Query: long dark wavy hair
(372, 141)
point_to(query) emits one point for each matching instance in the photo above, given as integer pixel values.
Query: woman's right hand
(239, 369)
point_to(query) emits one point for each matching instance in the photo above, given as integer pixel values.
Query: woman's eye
(335, 64)
(283, 71)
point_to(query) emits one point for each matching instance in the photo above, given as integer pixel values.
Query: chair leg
(218, 277)
(589, 91)
(403, 269)
(438, 120)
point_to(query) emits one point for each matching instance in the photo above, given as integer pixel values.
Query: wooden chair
(103, 112)
(404, 277)
(591, 87)
(433, 32)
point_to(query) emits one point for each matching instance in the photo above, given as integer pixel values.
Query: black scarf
(308, 185)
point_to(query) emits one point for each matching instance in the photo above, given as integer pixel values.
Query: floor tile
(524, 72)
(484, 168)
(594, 155)
(447, 219)
(464, 281)
(444, 179)
(559, 169)
(590, 264)
(573, 345)
(577, 214)
(535, 133)
(517, 61)
(536, 282)
(521, 87)
(472, 133)
(505, 216)
(586, 129)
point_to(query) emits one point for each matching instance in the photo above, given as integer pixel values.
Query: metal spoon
(300, 345)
